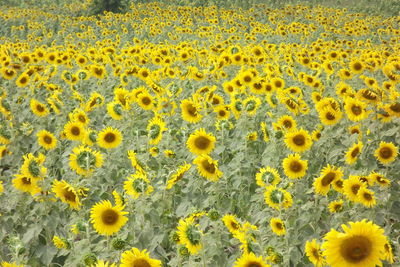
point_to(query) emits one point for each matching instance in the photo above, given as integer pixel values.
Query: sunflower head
(107, 219)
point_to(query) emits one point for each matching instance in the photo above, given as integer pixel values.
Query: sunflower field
(200, 133)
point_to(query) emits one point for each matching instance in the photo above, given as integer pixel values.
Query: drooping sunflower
(314, 253)
(386, 152)
(59, 242)
(250, 260)
(355, 109)
(379, 179)
(298, 140)
(137, 258)
(267, 176)
(178, 175)
(74, 131)
(26, 184)
(190, 235)
(155, 129)
(322, 184)
(277, 198)
(107, 219)
(201, 142)
(46, 139)
(353, 153)
(95, 100)
(38, 108)
(361, 245)
(208, 168)
(352, 186)
(294, 167)
(278, 226)
(66, 193)
(137, 184)
(231, 222)
(84, 160)
(388, 252)
(114, 109)
(335, 206)
(33, 166)
(109, 138)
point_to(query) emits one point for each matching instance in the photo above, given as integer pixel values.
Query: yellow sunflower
(4, 151)
(330, 116)
(388, 252)
(386, 152)
(379, 179)
(278, 226)
(26, 184)
(33, 166)
(201, 142)
(46, 139)
(298, 140)
(155, 129)
(233, 225)
(22, 80)
(352, 186)
(137, 258)
(361, 245)
(353, 153)
(208, 168)
(267, 176)
(286, 122)
(294, 167)
(137, 184)
(74, 131)
(190, 235)
(84, 160)
(277, 198)
(322, 184)
(145, 101)
(109, 138)
(38, 108)
(107, 219)
(178, 175)
(314, 253)
(79, 116)
(114, 109)
(355, 109)
(250, 260)
(66, 193)
(191, 111)
(335, 206)
(366, 197)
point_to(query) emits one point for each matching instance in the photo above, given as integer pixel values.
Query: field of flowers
(187, 135)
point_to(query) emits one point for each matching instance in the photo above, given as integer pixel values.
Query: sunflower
(122, 96)
(361, 244)
(353, 153)
(233, 225)
(250, 260)
(46, 140)
(60, 243)
(114, 109)
(107, 219)
(278, 226)
(84, 160)
(191, 111)
(137, 184)
(322, 184)
(294, 167)
(337, 185)
(38, 108)
(386, 152)
(286, 122)
(109, 138)
(352, 186)
(366, 197)
(355, 109)
(33, 166)
(74, 131)
(208, 168)
(335, 206)
(4, 151)
(201, 142)
(79, 116)
(388, 252)
(298, 140)
(277, 198)
(25, 184)
(137, 258)
(146, 101)
(251, 104)
(379, 178)
(267, 176)
(330, 116)
(22, 80)
(190, 235)
(356, 66)
(222, 112)
(95, 100)
(178, 175)
(66, 193)
(155, 129)
(98, 71)
(314, 253)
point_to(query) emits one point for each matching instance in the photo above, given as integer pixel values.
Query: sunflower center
(355, 152)
(109, 137)
(140, 263)
(253, 264)
(299, 140)
(209, 167)
(367, 196)
(355, 249)
(75, 131)
(234, 225)
(146, 100)
(26, 181)
(279, 225)
(109, 217)
(287, 124)
(385, 152)
(339, 183)
(315, 253)
(295, 166)
(202, 142)
(356, 110)
(355, 189)
(69, 195)
(39, 108)
(222, 113)
(329, 116)
(191, 110)
(47, 139)
(395, 107)
(328, 178)
(82, 118)
(357, 66)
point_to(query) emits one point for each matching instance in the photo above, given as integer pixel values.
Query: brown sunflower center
(355, 249)
(355, 152)
(329, 116)
(202, 142)
(209, 167)
(287, 124)
(253, 264)
(367, 196)
(141, 263)
(385, 152)
(146, 100)
(82, 118)
(315, 253)
(234, 225)
(299, 140)
(295, 166)
(339, 183)
(47, 139)
(395, 107)
(75, 130)
(191, 110)
(279, 225)
(357, 66)
(328, 178)
(355, 188)
(69, 195)
(109, 137)
(26, 180)
(39, 108)
(109, 217)
(356, 110)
